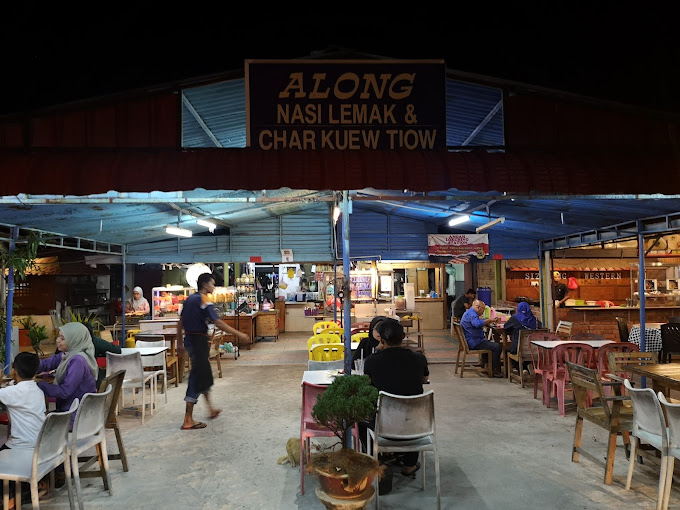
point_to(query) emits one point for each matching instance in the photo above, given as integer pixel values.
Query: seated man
(473, 326)
(398, 370)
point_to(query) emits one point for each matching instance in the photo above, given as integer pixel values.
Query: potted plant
(345, 473)
(37, 334)
(24, 324)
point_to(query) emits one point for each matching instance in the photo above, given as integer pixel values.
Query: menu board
(361, 286)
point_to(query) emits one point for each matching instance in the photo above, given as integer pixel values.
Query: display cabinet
(168, 301)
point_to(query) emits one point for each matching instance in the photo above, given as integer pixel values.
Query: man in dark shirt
(561, 290)
(463, 303)
(196, 313)
(398, 370)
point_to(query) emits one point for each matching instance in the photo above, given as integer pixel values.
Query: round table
(652, 336)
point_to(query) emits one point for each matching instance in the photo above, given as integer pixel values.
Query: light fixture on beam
(457, 220)
(207, 224)
(491, 224)
(176, 231)
(336, 213)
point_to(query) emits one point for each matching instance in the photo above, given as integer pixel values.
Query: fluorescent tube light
(183, 232)
(336, 214)
(207, 224)
(491, 224)
(457, 220)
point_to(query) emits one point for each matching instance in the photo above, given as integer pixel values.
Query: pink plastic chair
(558, 376)
(309, 428)
(603, 356)
(541, 361)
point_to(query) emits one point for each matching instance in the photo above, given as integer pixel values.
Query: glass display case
(167, 301)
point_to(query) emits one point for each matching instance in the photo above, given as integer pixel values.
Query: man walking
(196, 313)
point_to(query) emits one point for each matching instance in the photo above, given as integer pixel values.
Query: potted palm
(345, 473)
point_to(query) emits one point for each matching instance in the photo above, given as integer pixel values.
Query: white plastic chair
(649, 426)
(325, 365)
(31, 465)
(673, 416)
(89, 431)
(405, 424)
(156, 362)
(135, 377)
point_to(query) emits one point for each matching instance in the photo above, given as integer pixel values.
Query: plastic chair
(673, 418)
(326, 365)
(607, 412)
(31, 465)
(564, 328)
(360, 327)
(670, 342)
(405, 424)
(89, 431)
(358, 337)
(603, 355)
(541, 361)
(135, 377)
(309, 428)
(649, 426)
(322, 338)
(558, 375)
(464, 348)
(156, 364)
(116, 382)
(622, 324)
(321, 325)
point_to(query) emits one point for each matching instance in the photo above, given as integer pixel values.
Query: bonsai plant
(37, 334)
(348, 400)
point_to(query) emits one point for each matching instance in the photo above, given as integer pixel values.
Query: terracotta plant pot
(24, 339)
(335, 485)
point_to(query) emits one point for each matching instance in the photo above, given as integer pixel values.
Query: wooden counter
(602, 321)
(432, 312)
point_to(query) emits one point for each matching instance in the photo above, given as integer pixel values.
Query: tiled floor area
(291, 349)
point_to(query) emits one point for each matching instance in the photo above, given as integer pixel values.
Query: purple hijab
(524, 316)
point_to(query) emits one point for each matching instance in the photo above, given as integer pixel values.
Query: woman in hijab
(138, 303)
(523, 319)
(371, 342)
(76, 368)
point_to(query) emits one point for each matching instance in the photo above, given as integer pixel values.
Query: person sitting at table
(75, 367)
(397, 370)
(372, 342)
(26, 408)
(463, 303)
(473, 327)
(522, 319)
(138, 303)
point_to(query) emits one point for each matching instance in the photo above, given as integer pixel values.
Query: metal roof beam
(200, 121)
(484, 122)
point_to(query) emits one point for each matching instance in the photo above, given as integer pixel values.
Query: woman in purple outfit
(75, 366)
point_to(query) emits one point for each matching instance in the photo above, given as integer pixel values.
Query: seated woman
(523, 319)
(138, 303)
(371, 342)
(76, 368)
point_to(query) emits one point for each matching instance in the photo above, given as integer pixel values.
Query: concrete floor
(499, 448)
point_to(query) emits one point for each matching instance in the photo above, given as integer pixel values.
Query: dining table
(664, 376)
(320, 377)
(652, 336)
(144, 351)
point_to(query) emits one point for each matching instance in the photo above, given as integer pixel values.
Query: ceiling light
(207, 224)
(457, 220)
(490, 224)
(336, 213)
(183, 232)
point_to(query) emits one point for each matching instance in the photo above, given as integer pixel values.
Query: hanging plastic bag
(572, 284)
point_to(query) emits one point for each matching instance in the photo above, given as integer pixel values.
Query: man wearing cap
(561, 291)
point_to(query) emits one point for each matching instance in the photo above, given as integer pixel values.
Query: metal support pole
(345, 286)
(122, 319)
(10, 303)
(541, 284)
(641, 291)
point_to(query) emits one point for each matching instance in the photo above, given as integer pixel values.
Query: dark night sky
(611, 52)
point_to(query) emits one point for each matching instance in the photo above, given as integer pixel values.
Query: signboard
(256, 259)
(343, 105)
(286, 255)
(456, 245)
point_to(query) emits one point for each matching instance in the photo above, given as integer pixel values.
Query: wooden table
(664, 376)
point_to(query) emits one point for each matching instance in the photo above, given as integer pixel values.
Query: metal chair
(670, 342)
(135, 377)
(649, 426)
(89, 431)
(31, 465)
(406, 424)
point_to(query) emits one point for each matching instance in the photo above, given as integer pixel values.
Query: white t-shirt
(25, 403)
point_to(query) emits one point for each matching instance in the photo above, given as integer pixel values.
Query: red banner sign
(454, 245)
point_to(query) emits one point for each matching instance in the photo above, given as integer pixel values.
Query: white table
(652, 336)
(317, 377)
(144, 351)
(547, 344)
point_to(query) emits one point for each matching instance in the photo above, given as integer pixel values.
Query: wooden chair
(607, 412)
(564, 328)
(523, 354)
(464, 348)
(616, 359)
(175, 376)
(622, 324)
